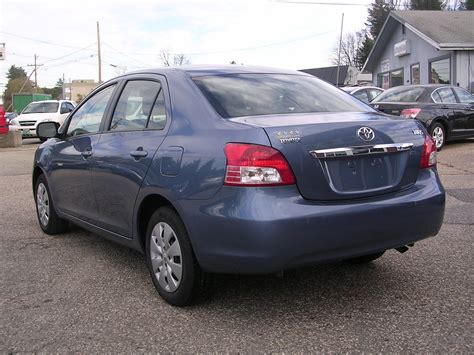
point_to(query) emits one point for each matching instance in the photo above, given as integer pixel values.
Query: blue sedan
(236, 170)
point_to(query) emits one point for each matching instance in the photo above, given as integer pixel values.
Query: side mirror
(47, 130)
(64, 110)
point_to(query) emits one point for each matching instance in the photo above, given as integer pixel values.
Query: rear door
(466, 108)
(456, 117)
(126, 148)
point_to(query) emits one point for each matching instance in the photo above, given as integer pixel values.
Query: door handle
(137, 154)
(87, 153)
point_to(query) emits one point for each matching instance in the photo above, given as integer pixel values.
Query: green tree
(363, 50)
(425, 5)
(14, 86)
(468, 5)
(378, 13)
(57, 91)
(16, 72)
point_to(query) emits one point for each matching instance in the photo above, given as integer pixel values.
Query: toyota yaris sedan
(236, 170)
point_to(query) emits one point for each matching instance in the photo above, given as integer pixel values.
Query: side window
(87, 119)
(63, 108)
(158, 114)
(362, 95)
(70, 106)
(463, 96)
(135, 105)
(446, 95)
(373, 93)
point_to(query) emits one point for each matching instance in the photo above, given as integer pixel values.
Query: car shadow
(338, 287)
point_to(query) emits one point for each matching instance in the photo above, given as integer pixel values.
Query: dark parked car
(363, 93)
(446, 111)
(236, 170)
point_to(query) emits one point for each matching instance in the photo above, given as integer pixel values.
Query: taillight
(428, 158)
(256, 165)
(410, 112)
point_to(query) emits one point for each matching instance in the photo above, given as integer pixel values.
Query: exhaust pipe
(404, 248)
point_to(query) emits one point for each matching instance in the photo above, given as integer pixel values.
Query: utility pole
(35, 70)
(98, 53)
(62, 96)
(339, 51)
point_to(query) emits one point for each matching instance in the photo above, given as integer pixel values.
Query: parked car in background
(10, 116)
(41, 111)
(446, 111)
(363, 93)
(236, 169)
(3, 121)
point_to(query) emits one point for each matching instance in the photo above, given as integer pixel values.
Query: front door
(126, 149)
(71, 172)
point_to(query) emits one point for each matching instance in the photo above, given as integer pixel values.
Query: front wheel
(438, 134)
(174, 270)
(49, 221)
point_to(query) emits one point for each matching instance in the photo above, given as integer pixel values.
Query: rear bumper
(263, 230)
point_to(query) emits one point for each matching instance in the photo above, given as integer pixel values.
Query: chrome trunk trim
(361, 150)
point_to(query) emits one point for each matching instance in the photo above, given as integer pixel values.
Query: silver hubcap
(438, 136)
(42, 202)
(166, 258)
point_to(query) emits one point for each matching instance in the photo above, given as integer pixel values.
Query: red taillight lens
(256, 165)
(428, 158)
(410, 112)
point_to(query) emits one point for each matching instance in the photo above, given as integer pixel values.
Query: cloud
(133, 33)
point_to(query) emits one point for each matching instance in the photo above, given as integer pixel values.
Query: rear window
(41, 107)
(400, 94)
(240, 95)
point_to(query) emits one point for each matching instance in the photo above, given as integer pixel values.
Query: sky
(63, 34)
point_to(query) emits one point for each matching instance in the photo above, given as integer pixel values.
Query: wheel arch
(443, 122)
(146, 208)
(37, 171)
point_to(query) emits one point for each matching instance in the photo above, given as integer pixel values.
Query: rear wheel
(438, 134)
(49, 221)
(366, 258)
(174, 270)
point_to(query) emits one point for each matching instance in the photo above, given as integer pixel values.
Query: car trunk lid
(331, 161)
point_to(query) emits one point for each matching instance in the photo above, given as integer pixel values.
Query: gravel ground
(80, 293)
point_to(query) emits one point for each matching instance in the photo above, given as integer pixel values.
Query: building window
(440, 71)
(396, 78)
(383, 80)
(415, 74)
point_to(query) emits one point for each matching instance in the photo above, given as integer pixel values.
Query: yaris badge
(366, 133)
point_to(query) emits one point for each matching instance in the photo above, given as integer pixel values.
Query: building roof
(444, 30)
(329, 74)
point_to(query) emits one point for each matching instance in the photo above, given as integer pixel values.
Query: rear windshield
(41, 107)
(240, 95)
(400, 94)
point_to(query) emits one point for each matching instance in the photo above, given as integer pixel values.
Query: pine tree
(364, 50)
(425, 5)
(378, 13)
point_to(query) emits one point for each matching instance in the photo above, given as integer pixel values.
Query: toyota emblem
(366, 133)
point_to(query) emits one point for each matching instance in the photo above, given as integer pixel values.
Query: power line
(322, 3)
(69, 54)
(39, 40)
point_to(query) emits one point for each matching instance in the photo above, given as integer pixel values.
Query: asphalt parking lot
(78, 292)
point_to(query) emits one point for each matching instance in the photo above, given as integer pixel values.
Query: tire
(366, 258)
(174, 270)
(48, 219)
(438, 133)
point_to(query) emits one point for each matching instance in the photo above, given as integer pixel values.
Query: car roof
(204, 70)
